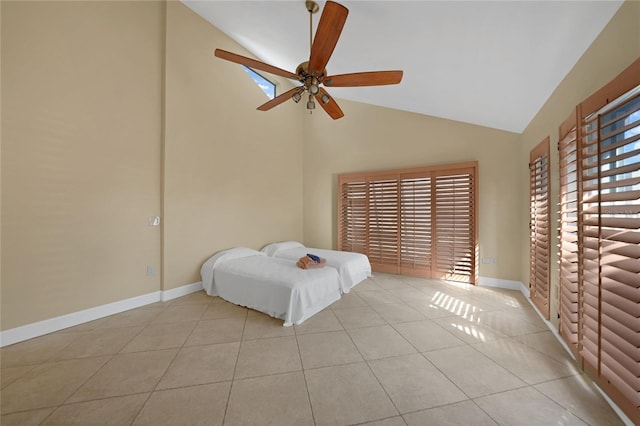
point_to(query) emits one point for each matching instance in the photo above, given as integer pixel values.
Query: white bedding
(352, 268)
(276, 287)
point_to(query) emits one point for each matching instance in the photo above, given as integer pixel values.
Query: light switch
(153, 220)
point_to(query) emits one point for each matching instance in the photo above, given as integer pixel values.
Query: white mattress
(353, 268)
(276, 287)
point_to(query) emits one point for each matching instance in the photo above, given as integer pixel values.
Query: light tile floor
(395, 351)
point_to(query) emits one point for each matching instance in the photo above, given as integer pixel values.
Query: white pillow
(274, 248)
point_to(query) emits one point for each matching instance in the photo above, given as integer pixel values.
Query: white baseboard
(29, 331)
(180, 291)
(40, 328)
(500, 283)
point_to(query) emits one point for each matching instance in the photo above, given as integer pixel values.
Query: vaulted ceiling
(491, 63)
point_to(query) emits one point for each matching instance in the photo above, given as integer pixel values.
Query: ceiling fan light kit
(312, 74)
(311, 104)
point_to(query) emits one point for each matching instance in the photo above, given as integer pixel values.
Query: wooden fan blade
(330, 26)
(278, 100)
(330, 107)
(252, 63)
(373, 78)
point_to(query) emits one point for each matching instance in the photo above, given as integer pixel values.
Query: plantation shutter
(419, 222)
(352, 218)
(415, 225)
(610, 148)
(569, 301)
(539, 226)
(455, 226)
(383, 224)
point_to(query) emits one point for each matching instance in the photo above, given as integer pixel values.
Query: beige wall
(81, 137)
(374, 138)
(617, 46)
(232, 175)
(101, 129)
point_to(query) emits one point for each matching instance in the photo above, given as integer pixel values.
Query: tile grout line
(419, 353)
(398, 356)
(473, 401)
(144, 404)
(57, 407)
(443, 373)
(235, 365)
(577, 415)
(304, 376)
(30, 367)
(81, 385)
(366, 362)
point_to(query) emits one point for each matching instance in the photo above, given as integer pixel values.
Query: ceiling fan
(313, 74)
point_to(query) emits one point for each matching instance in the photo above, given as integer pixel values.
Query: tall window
(419, 222)
(539, 226)
(600, 237)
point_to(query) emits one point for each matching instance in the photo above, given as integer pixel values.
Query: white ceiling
(492, 63)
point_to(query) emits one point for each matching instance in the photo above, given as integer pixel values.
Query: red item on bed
(307, 263)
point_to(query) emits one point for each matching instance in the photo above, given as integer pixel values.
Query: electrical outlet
(151, 270)
(153, 220)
